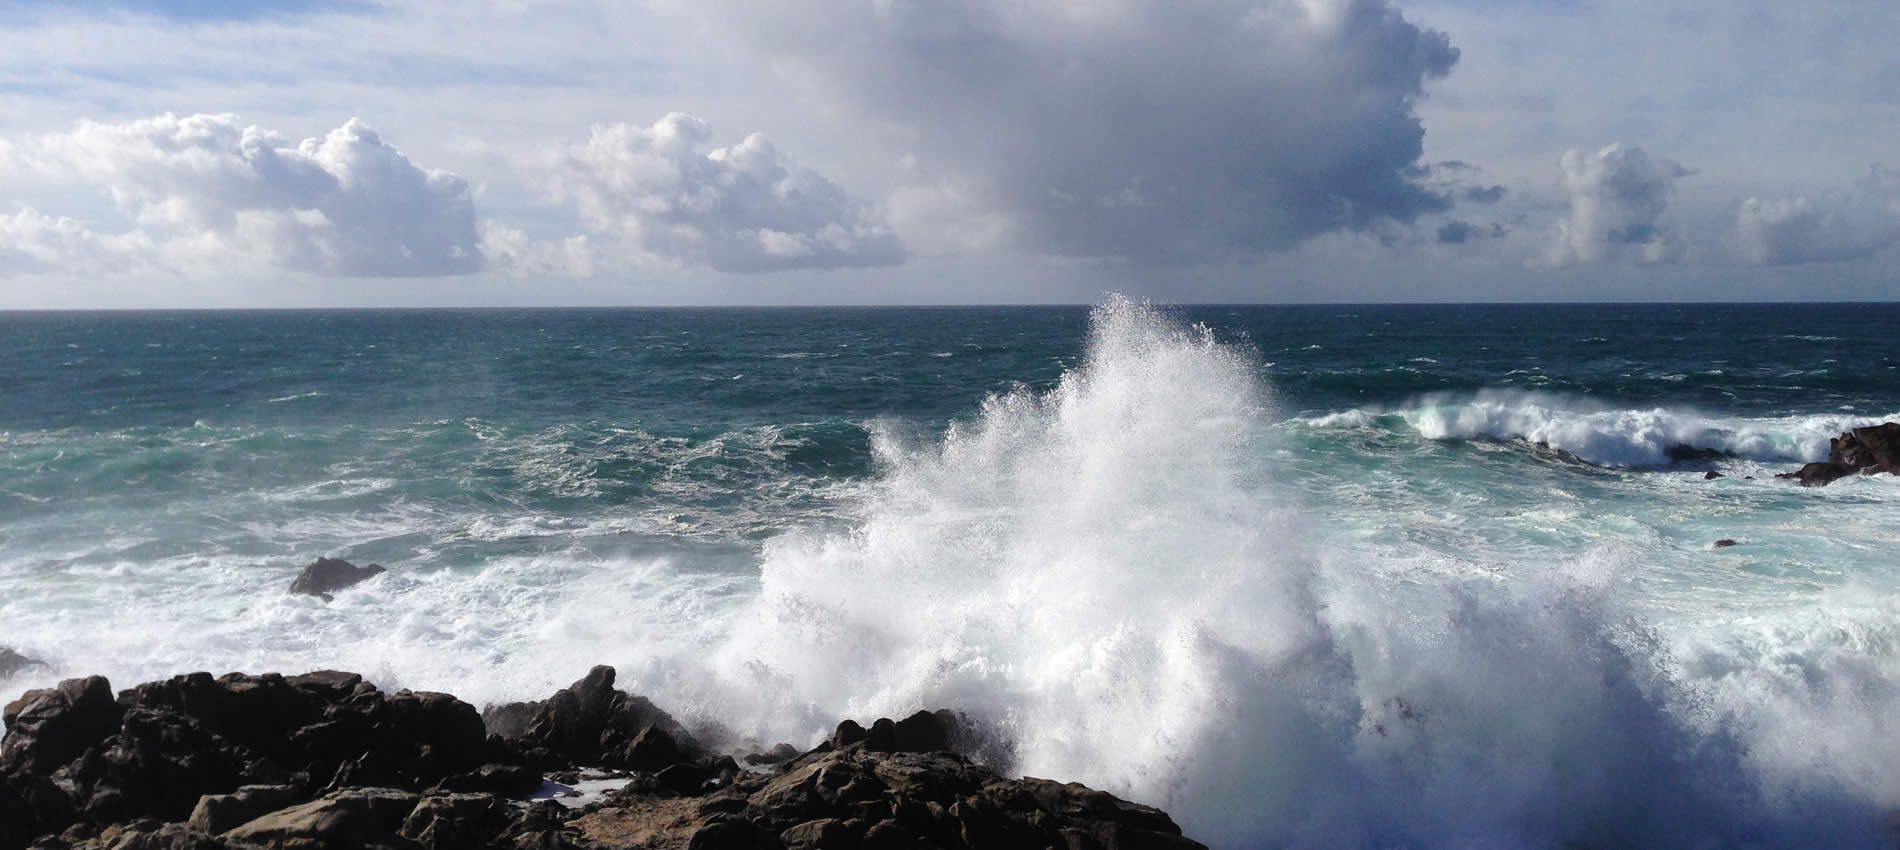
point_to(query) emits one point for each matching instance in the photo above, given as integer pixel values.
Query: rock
(779, 754)
(140, 835)
(591, 723)
(216, 813)
(847, 733)
(458, 822)
(357, 817)
(1818, 474)
(325, 576)
(13, 662)
(1711, 475)
(1681, 452)
(48, 727)
(926, 732)
(511, 780)
(882, 736)
(1864, 451)
(1724, 543)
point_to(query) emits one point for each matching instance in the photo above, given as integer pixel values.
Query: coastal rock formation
(1863, 451)
(325, 576)
(12, 662)
(325, 760)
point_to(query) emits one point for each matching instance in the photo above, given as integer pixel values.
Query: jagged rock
(1711, 475)
(216, 813)
(858, 797)
(591, 723)
(458, 822)
(13, 662)
(1863, 451)
(357, 817)
(325, 576)
(140, 835)
(51, 726)
(847, 733)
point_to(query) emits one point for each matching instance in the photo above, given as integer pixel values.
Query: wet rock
(779, 754)
(326, 576)
(1711, 475)
(458, 822)
(1682, 452)
(1724, 543)
(48, 727)
(591, 723)
(847, 733)
(1862, 451)
(511, 780)
(13, 662)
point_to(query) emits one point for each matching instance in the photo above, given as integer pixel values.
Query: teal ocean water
(1398, 576)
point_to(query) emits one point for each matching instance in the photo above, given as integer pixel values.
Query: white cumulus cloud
(671, 197)
(1141, 129)
(204, 190)
(1617, 198)
(1835, 226)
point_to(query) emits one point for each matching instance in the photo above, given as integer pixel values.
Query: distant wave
(1599, 434)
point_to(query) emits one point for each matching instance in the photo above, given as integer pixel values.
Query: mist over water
(1163, 559)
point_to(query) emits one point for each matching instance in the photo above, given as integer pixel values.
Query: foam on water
(1605, 435)
(1107, 573)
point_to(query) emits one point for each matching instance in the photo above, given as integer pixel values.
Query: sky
(203, 153)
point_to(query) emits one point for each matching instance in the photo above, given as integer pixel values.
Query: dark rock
(882, 736)
(818, 834)
(1724, 543)
(458, 822)
(1681, 452)
(48, 727)
(651, 750)
(510, 720)
(1864, 451)
(926, 732)
(1818, 474)
(139, 835)
(325, 576)
(779, 754)
(684, 779)
(511, 780)
(848, 733)
(591, 723)
(1711, 475)
(216, 813)
(13, 662)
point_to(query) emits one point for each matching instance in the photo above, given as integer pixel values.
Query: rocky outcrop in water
(325, 576)
(326, 760)
(13, 662)
(1862, 451)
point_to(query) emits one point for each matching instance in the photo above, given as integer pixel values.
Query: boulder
(1711, 475)
(459, 822)
(49, 727)
(1862, 451)
(352, 818)
(216, 813)
(1724, 543)
(590, 723)
(326, 576)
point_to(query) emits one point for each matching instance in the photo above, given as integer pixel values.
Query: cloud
(1617, 196)
(1458, 232)
(744, 208)
(1836, 226)
(204, 190)
(1138, 129)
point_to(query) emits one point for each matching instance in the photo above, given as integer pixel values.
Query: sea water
(1303, 576)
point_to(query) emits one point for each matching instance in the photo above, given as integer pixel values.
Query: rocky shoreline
(326, 760)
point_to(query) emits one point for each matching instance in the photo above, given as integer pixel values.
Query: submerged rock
(13, 662)
(1861, 451)
(1724, 543)
(325, 576)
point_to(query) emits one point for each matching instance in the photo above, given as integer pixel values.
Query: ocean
(1313, 576)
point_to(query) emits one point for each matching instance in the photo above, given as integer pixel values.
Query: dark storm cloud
(1140, 129)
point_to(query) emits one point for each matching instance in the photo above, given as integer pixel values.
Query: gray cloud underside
(1138, 128)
